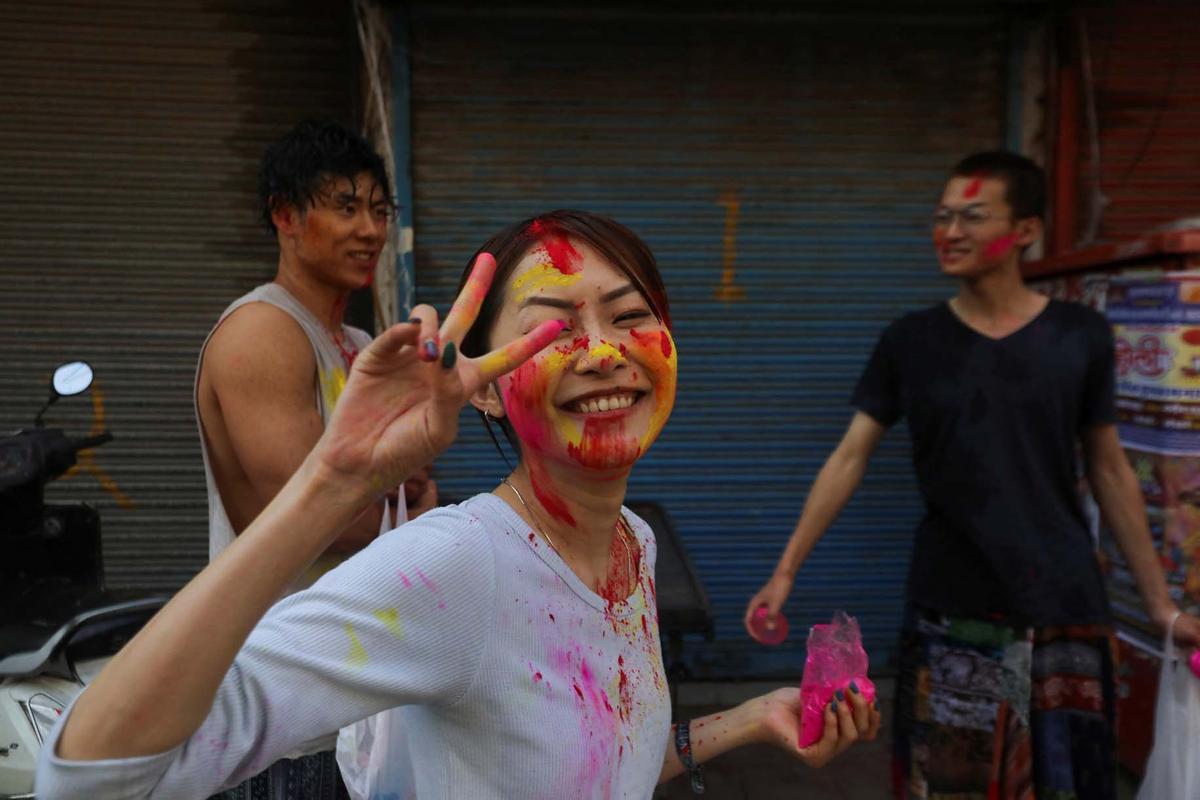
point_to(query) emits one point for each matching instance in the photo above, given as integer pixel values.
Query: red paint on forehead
(973, 187)
(563, 255)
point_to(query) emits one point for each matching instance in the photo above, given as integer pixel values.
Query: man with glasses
(1006, 672)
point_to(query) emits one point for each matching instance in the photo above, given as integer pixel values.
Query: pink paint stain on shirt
(430, 585)
(404, 579)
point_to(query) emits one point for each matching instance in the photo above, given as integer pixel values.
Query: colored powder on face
(1000, 248)
(972, 190)
(563, 255)
(658, 354)
(604, 445)
(358, 654)
(539, 277)
(390, 617)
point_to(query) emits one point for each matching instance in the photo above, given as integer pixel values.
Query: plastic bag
(374, 758)
(835, 658)
(1173, 770)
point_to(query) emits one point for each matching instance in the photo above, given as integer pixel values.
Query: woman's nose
(600, 356)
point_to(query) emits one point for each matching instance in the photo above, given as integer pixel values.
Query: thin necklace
(622, 532)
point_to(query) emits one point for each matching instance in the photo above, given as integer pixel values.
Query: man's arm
(1120, 498)
(261, 371)
(835, 485)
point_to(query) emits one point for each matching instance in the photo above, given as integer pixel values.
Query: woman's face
(599, 395)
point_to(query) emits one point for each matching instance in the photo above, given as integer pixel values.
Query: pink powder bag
(835, 658)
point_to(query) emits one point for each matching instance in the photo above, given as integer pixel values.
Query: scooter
(59, 624)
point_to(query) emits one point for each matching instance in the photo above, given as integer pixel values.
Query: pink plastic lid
(763, 634)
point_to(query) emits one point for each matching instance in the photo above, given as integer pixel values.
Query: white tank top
(332, 368)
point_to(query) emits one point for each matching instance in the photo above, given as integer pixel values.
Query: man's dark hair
(296, 168)
(1024, 181)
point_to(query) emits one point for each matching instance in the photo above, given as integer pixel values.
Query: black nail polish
(414, 321)
(840, 695)
(430, 349)
(854, 687)
(833, 706)
(449, 355)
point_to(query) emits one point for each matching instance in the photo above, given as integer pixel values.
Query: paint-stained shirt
(516, 680)
(995, 427)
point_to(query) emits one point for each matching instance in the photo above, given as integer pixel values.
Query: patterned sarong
(990, 712)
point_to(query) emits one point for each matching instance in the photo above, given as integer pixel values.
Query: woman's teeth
(597, 404)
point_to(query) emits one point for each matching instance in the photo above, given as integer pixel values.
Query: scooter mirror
(71, 378)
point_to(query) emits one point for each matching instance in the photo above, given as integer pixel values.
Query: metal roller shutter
(129, 138)
(782, 167)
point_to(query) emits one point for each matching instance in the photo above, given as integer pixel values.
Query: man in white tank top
(272, 368)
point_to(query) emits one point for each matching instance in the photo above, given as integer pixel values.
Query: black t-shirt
(994, 426)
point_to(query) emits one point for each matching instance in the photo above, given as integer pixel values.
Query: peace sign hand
(399, 409)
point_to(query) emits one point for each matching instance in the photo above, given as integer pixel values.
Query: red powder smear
(645, 629)
(580, 343)
(537, 676)
(604, 445)
(717, 717)
(620, 661)
(532, 538)
(554, 505)
(580, 304)
(563, 255)
(624, 693)
(973, 187)
(999, 248)
(653, 591)
(404, 579)
(643, 339)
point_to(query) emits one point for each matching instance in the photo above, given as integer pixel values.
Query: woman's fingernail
(430, 349)
(833, 706)
(875, 703)
(414, 321)
(840, 695)
(449, 355)
(854, 687)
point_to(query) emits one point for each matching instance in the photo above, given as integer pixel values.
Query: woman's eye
(633, 316)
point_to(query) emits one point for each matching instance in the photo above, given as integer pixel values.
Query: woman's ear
(487, 399)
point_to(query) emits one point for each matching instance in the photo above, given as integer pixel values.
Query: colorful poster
(1156, 331)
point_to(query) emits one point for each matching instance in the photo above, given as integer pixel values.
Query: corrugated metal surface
(129, 138)
(819, 143)
(1146, 70)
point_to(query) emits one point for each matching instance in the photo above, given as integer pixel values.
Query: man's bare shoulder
(259, 343)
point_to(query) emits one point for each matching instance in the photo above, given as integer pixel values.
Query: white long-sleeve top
(516, 679)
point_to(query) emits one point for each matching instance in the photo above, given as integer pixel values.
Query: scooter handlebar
(92, 441)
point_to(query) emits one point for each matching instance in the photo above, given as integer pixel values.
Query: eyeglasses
(971, 218)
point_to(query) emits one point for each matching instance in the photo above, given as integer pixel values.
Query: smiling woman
(516, 632)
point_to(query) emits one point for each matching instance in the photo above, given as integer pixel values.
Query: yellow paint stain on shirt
(358, 654)
(541, 276)
(332, 384)
(390, 617)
